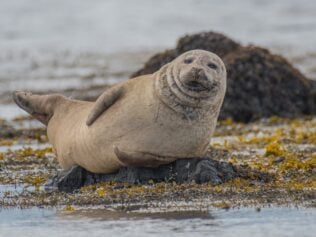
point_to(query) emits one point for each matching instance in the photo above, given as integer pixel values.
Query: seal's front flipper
(143, 159)
(105, 100)
(39, 106)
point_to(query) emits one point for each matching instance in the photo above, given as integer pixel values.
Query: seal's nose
(198, 73)
(197, 80)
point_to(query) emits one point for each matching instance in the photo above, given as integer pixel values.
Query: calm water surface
(237, 222)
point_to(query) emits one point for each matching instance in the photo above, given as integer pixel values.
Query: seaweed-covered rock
(180, 171)
(259, 84)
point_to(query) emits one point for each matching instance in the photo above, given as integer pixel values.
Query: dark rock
(181, 171)
(210, 41)
(259, 84)
(67, 180)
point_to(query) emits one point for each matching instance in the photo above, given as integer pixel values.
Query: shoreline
(283, 150)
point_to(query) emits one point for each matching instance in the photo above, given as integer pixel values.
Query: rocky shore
(268, 162)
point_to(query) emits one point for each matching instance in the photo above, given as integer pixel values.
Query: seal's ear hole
(212, 66)
(188, 60)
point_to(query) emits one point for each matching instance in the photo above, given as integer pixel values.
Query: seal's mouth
(196, 86)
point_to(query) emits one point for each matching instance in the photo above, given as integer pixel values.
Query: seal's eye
(188, 61)
(212, 66)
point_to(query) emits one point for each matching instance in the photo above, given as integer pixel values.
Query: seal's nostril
(201, 73)
(197, 70)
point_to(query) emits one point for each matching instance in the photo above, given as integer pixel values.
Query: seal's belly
(153, 130)
(181, 141)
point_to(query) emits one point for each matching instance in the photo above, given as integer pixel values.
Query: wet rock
(259, 84)
(181, 171)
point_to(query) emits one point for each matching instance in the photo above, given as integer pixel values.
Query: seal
(148, 121)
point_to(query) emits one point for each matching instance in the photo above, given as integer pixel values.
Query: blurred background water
(57, 45)
(118, 26)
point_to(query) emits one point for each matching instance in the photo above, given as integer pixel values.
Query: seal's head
(199, 73)
(195, 79)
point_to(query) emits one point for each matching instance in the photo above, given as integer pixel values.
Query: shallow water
(11, 189)
(10, 111)
(236, 222)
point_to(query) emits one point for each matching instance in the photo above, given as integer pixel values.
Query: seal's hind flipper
(39, 106)
(143, 159)
(104, 101)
